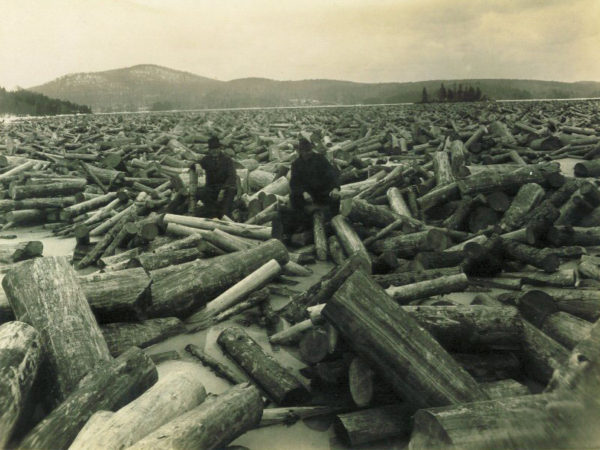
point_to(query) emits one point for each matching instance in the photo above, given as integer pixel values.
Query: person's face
(304, 153)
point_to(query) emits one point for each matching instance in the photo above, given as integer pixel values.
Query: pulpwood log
(153, 261)
(319, 236)
(217, 367)
(406, 356)
(566, 329)
(20, 356)
(122, 335)
(490, 366)
(408, 245)
(585, 236)
(462, 328)
(357, 210)
(19, 192)
(548, 262)
(542, 354)
(584, 303)
(108, 386)
(117, 296)
(349, 239)
(428, 288)
(222, 418)
(12, 253)
(175, 393)
(403, 278)
(527, 198)
(529, 421)
(45, 293)
(191, 285)
(279, 384)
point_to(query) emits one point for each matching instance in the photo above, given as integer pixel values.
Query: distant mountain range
(151, 87)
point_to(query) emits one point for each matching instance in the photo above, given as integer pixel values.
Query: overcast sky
(358, 40)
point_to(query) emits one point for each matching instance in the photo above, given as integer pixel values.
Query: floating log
(122, 335)
(175, 393)
(279, 384)
(348, 238)
(530, 421)
(428, 288)
(403, 354)
(180, 292)
(109, 386)
(20, 357)
(39, 292)
(223, 418)
(117, 296)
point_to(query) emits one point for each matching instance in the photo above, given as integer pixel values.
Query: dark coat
(316, 176)
(219, 169)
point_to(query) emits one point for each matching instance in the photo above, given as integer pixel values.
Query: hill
(148, 87)
(24, 102)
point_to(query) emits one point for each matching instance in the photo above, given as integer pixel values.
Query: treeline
(22, 102)
(459, 93)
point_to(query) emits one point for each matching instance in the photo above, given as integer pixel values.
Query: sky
(357, 40)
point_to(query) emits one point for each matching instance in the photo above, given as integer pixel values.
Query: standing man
(314, 175)
(219, 191)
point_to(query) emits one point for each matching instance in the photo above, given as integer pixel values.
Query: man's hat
(213, 142)
(304, 144)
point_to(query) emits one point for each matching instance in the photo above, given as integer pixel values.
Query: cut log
(223, 418)
(59, 189)
(349, 239)
(542, 354)
(527, 198)
(584, 303)
(442, 168)
(12, 253)
(548, 262)
(539, 221)
(408, 245)
(357, 210)
(438, 195)
(566, 329)
(374, 424)
(117, 296)
(120, 336)
(397, 203)
(319, 236)
(405, 355)
(180, 292)
(221, 370)
(335, 250)
(279, 384)
(423, 289)
(234, 294)
(20, 357)
(587, 169)
(45, 293)
(489, 367)
(175, 393)
(154, 261)
(467, 328)
(410, 277)
(109, 386)
(585, 236)
(530, 421)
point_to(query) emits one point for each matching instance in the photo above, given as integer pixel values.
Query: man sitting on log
(314, 175)
(220, 188)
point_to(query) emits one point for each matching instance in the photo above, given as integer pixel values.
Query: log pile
(462, 265)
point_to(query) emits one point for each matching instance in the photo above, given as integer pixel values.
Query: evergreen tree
(424, 96)
(442, 93)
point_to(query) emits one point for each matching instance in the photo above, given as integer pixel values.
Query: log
(438, 195)
(180, 292)
(428, 288)
(315, 344)
(410, 277)
(223, 418)
(408, 245)
(584, 236)
(406, 356)
(560, 278)
(277, 382)
(357, 210)
(438, 260)
(20, 357)
(46, 294)
(566, 329)
(442, 168)
(539, 221)
(238, 229)
(233, 295)
(117, 296)
(175, 393)
(349, 240)
(58, 189)
(319, 236)
(289, 416)
(12, 253)
(153, 261)
(489, 367)
(397, 203)
(466, 328)
(221, 370)
(530, 421)
(587, 169)
(373, 424)
(542, 354)
(335, 250)
(527, 198)
(548, 262)
(120, 336)
(109, 386)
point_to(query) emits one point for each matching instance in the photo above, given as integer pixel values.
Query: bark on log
(180, 292)
(221, 370)
(357, 210)
(410, 277)
(349, 239)
(542, 354)
(234, 294)
(59, 189)
(20, 357)
(530, 421)
(117, 296)
(109, 386)
(530, 255)
(587, 169)
(223, 418)
(527, 198)
(120, 336)
(489, 367)
(175, 393)
(466, 328)
(319, 236)
(438, 195)
(423, 289)
(397, 203)
(278, 383)
(584, 236)
(442, 168)
(46, 294)
(566, 329)
(406, 356)
(12, 253)
(408, 245)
